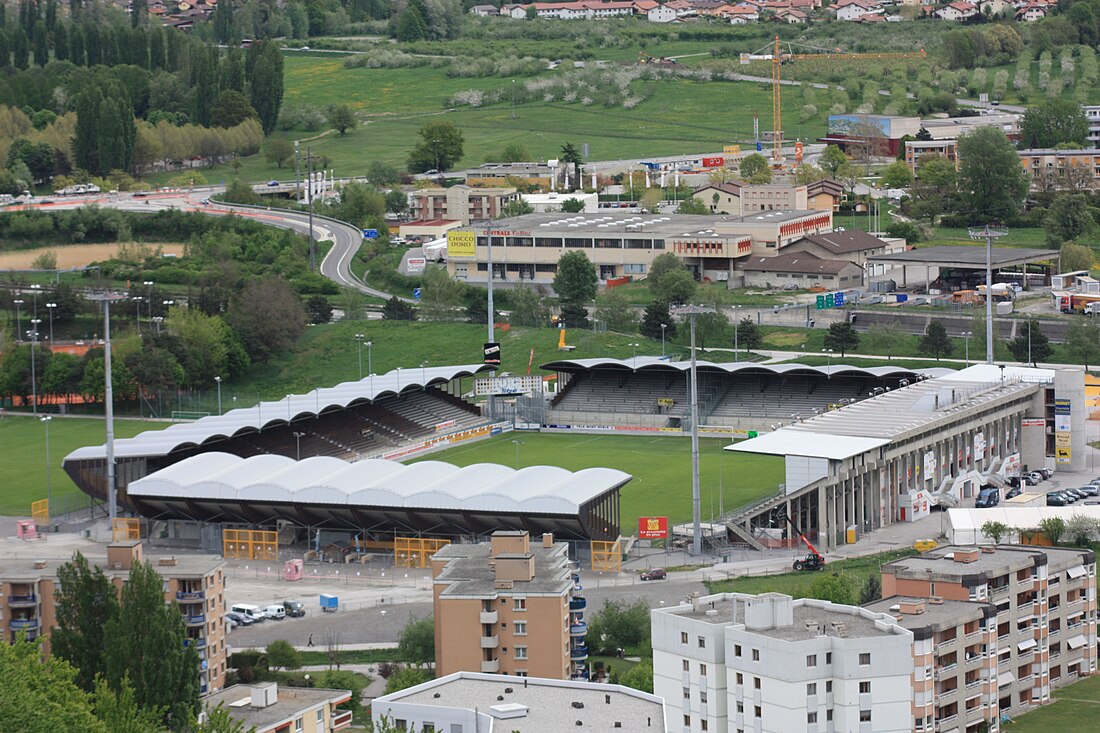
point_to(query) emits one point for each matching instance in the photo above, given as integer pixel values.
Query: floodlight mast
(108, 398)
(691, 311)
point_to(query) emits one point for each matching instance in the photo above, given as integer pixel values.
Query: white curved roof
(162, 442)
(653, 363)
(485, 487)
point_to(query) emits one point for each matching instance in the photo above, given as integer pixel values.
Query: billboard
(492, 354)
(732, 149)
(716, 162)
(416, 265)
(461, 244)
(508, 385)
(652, 528)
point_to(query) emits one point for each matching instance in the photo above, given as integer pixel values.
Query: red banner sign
(652, 528)
(713, 162)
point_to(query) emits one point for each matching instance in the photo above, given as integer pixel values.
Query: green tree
(841, 337)
(268, 317)
(1053, 528)
(806, 174)
(692, 205)
(935, 341)
(1068, 217)
(105, 130)
(231, 109)
(85, 603)
(656, 314)
(341, 117)
(615, 311)
(266, 83)
(991, 177)
(1054, 122)
(223, 22)
(871, 590)
(519, 207)
(417, 642)
(650, 200)
(574, 315)
(1082, 341)
(440, 147)
(515, 153)
(318, 309)
(120, 711)
(282, 655)
(1081, 529)
(572, 206)
(996, 531)
(934, 188)
(20, 49)
(748, 334)
(1073, 257)
(756, 165)
(41, 47)
(147, 646)
(527, 307)
(884, 338)
(639, 677)
(406, 678)
(897, 175)
(832, 159)
(675, 286)
(396, 309)
(1031, 344)
(218, 720)
(411, 25)
(396, 201)
(838, 587)
(661, 264)
(619, 625)
(40, 693)
(575, 281)
(382, 174)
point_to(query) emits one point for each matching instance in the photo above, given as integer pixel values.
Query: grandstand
(352, 421)
(653, 393)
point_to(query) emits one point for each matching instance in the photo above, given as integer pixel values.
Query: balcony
(489, 642)
(945, 670)
(22, 601)
(491, 667)
(196, 620)
(195, 643)
(489, 617)
(341, 719)
(577, 604)
(998, 591)
(578, 652)
(578, 629)
(190, 596)
(23, 623)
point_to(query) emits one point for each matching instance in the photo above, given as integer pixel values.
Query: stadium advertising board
(461, 244)
(508, 385)
(492, 353)
(716, 162)
(652, 528)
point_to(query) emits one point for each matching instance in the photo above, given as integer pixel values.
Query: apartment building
(954, 661)
(770, 664)
(268, 708)
(738, 198)
(917, 149)
(195, 582)
(1045, 602)
(1092, 115)
(1053, 168)
(509, 607)
(462, 203)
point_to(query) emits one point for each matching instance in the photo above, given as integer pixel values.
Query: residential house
(1092, 116)
(739, 198)
(742, 14)
(463, 203)
(1031, 13)
(485, 10)
(1074, 168)
(852, 245)
(855, 9)
(957, 11)
(792, 16)
(662, 14)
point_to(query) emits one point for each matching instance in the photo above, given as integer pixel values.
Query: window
(811, 717)
(521, 652)
(828, 657)
(683, 637)
(756, 710)
(740, 706)
(740, 678)
(828, 686)
(703, 697)
(703, 724)
(687, 721)
(400, 724)
(703, 669)
(756, 655)
(687, 667)
(865, 658)
(736, 650)
(702, 642)
(519, 604)
(520, 628)
(756, 683)
(865, 688)
(811, 689)
(687, 693)
(321, 717)
(299, 725)
(865, 716)
(811, 660)
(428, 728)
(829, 715)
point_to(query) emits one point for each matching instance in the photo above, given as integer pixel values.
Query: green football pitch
(661, 467)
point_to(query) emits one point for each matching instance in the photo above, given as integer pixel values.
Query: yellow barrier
(125, 529)
(415, 552)
(250, 544)
(607, 556)
(40, 512)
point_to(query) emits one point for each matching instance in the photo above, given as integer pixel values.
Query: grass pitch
(661, 467)
(1073, 711)
(23, 458)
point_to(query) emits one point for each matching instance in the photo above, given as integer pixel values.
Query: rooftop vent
(166, 561)
(40, 564)
(578, 704)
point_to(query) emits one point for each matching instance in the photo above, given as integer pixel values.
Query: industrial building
(509, 606)
(894, 456)
(553, 175)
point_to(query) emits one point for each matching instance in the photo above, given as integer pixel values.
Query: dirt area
(72, 255)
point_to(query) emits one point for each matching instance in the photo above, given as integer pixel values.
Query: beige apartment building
(1044, 600)
(268, 708)
(195, 582)
(738, 198)
(462, 203)
(1078, 169)
(917, 149)
(508, 607)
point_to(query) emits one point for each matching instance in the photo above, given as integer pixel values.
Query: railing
(195, 620)
(15, 601)
(578, 652)
(190, 596)
(489, 642)
(490, 667)
(195, 643)
(578, 629)
(342, 719)
(998, 591)
(489, 617)
(23, 623)
(945, 721)
(577, 604)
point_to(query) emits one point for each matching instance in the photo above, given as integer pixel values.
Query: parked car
(655, 574)
(988, 497)
(1056, 499)
(1075, 492)
(1031, 479)
(294, 609)
(276, 612)
(230, 624)
(1013, 492)
(1013, 481)
(239, 618)
(1090, 489)
(1046, 472)
(247, 609)
(1068, 496)
(1037, 477)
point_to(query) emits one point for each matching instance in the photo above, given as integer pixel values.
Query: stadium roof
(323, 480)
(247, 419)
(964, 256)
(654, 363)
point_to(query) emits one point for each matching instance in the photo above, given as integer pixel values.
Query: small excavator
(814, 559)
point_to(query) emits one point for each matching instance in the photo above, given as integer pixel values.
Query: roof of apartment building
(801, 262)
(29, 562)
(290, 703)
(851, 240)
(924, 616)
(468, 572)
(536, 705)
(963, 562)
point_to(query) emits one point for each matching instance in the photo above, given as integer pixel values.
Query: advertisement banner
(979, 446)
(652, 528)
(1033, 422)
(732, 149)
(461, 244)
(929, 465)
(713, 162)
(1062, 424)
(415, 265)
(1063, 455)
(1062, 407)
(508, 385)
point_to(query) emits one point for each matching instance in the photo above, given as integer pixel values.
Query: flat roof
(467, 572)
(963, 256)
(539, 705)
(939, 615)
(20, 557)
(618, 223)
(1002, 559)
(292, 702)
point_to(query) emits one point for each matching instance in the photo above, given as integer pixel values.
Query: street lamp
(988, 233)
(359, 340)
(158, 320)
(18, 316)
(298, 443)
(149, 295)
(663, 327)
(966, 338)
(829, 356)
(635, 358)
(33, 334)
(49, 479)
(219, 382)
(423, 375)
(137, 311)
(51, 306)
(517, 444)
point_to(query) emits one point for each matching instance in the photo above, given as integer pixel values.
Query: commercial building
(509, 607)
(544, 203)
(526, 249)
(853, 246)
(464, 203)
(195, 582)
(469, 702)
(268, 708)
(891, 457)
(737, 198)
(770, 664)
(1077, 169)
(1045, 603)
(952, 128)
(553, 175)
(801, 270)
(877, 135)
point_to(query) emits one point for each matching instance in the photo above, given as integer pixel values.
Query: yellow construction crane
(778, 57)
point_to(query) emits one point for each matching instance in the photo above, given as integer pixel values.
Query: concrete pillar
(1069, 384)
(822, 513)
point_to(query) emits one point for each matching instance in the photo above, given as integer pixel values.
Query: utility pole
(491, 324)
(988, 233)
(309, 195)
(297, 174)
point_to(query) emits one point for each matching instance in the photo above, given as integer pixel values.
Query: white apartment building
(739, 663)
(1092, 114)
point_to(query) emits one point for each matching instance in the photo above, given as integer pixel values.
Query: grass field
(23, 457)
(661, 468)
(1073, 711)
(797, 585)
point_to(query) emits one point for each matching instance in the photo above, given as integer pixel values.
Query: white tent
(964, 526)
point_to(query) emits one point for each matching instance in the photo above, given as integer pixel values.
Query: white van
(253, 612)
(275, 612)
